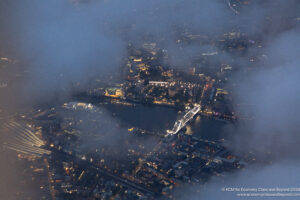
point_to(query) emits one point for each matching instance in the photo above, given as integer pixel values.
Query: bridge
(179, 124)
(232, 7)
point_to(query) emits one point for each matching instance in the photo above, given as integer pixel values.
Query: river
(159, 118)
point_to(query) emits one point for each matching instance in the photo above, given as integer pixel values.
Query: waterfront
(160, 118)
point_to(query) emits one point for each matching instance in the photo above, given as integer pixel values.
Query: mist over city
(148, 99)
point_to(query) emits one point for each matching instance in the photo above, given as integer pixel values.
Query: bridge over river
(179, 124)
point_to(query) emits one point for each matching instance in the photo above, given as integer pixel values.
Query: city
(176, 158)
(147, 100)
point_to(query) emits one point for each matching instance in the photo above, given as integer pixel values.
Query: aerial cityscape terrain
(147, 99)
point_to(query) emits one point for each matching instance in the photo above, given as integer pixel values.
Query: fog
(281, 175)
(270, 94)
(58, 45)
(273, 95)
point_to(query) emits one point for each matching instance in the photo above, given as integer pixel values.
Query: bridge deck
(179, 124)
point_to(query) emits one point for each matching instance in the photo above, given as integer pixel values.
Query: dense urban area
(131, 134)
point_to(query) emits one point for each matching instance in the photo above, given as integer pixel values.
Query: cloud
(281, 175)
(59, 43)
(63, 43)
(273, 93)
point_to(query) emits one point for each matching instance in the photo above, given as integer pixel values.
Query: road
(179, 124)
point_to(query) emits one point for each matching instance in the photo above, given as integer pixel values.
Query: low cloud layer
(283, 175)
(273, 93)
(270, 94)
(54, 45)
(62, 43)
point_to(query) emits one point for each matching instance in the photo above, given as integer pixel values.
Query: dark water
(208, 128)
(157, 118)
(152, 118)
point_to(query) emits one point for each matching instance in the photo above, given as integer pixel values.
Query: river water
(158, 118)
